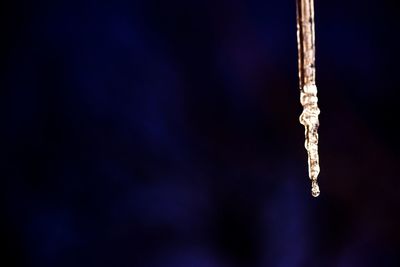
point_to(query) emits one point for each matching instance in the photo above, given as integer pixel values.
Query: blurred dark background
(166, 134)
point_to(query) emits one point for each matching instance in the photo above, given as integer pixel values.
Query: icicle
(308, 89)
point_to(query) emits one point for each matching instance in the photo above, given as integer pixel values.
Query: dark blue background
(166, 134)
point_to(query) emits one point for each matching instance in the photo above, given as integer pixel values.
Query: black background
(166, 133)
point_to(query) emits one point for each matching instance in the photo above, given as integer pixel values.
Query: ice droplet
(315, 190)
